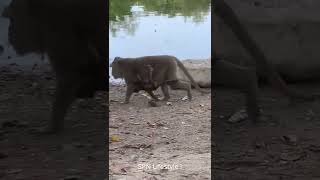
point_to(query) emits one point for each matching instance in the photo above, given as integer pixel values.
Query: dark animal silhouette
(73, 33)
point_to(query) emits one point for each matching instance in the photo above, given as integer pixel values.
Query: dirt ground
(171, 141)
(77, 153)
(285, 145)
(166, 142)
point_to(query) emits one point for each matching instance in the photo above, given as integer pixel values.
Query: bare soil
(165, 142)
(171, 141)
(285, 144)
(25, 104)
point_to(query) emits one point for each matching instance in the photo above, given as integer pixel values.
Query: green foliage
(119, 8)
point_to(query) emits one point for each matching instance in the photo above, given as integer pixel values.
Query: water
(184, 32)
(181, 28)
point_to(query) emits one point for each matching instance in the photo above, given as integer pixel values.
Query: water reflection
(143, 27)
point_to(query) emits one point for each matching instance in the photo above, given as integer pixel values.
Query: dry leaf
(115, 138)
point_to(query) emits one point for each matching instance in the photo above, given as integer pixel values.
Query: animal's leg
(165, 91)
(242, 78)
(64, 96)
(179, 85)
(152, 95)
(252, 106)
(130, 90)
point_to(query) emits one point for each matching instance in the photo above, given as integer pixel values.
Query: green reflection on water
(121, 15)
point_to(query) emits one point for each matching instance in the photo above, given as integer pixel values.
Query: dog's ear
(117, 58)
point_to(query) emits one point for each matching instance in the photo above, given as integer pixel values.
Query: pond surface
(175, 27)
